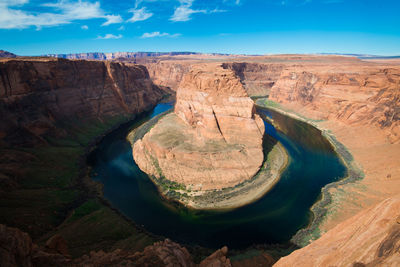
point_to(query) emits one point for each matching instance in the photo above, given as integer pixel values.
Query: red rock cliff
(36, 94)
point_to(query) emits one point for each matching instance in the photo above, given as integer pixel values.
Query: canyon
(357, 102)
(52, 110)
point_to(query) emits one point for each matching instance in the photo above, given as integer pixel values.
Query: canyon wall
(167, 73)
(323, 87)
(52, 111)
(355, 95)
(258, 79)
(37, 96)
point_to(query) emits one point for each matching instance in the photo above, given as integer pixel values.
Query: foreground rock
(371, 238)
(17, 249)
(213, 140)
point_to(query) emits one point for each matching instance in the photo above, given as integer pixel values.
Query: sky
(32, 27)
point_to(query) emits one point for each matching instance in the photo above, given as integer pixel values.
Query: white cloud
(84, 27)
(158, 34)
(13, 2)
(65, 12)
(184, 11)
(217, 10)
(121, 28)
(236, 2)
(112, 19)
(110, 36)
(140, 14)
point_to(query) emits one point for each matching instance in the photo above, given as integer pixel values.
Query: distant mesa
(4, 53)
(116, 55)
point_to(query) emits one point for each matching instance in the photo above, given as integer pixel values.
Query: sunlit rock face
(213, 139)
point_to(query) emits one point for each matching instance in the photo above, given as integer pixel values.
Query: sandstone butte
(212, 140)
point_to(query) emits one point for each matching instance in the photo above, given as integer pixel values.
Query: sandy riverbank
(242, 194)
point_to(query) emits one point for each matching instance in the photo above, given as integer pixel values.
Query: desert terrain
(54, 109)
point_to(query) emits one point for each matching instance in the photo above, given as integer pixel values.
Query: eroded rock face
(38, 96)
(15, 247)
(370, 238)
(213, 139)
(214, 102)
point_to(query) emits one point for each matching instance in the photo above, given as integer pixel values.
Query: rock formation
(213, 140)
(17, 249)
(168, 73)
(370, 238)
(35, 94)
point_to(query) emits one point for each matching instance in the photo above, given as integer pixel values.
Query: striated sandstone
(213, 140)
(166, 73)
(370, 238)
(51, 110)
(38, 95)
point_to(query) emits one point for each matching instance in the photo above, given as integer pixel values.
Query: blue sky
(32, 27)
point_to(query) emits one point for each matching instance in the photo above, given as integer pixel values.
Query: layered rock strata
(38, 94)
(213, 140)
(51, 111)
(370, 238)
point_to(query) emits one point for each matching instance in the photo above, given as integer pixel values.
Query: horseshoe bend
(211, 145)
(251, 133)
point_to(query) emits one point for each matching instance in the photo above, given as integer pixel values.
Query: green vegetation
(85, 209)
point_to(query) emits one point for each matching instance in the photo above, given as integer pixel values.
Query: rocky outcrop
(17, 249)
(213, 101)
(39, 96)
(213, 140)
(371, 238)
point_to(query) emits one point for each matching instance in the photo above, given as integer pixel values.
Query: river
(273, 219)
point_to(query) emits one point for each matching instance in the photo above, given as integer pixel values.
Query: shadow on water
(273, 219)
